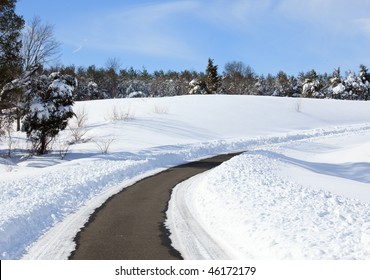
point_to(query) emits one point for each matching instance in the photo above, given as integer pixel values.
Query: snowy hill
(47, 199)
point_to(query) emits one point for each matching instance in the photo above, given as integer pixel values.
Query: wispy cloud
(235, 14)
(327, 15)
(77, 49)
(147, 29)
(192, 30)
(164, 28)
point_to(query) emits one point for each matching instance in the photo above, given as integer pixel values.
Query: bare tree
(239, 78)
(39, 44)
(104, 144)
(113, 63)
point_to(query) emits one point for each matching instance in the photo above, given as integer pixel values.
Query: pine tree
(10, 46)
(92, 91)
(365, 82)
(213, 80)
(312, 85)
(283, 87)
(10, 43)
(336, 88)
(353, 86)
(50, 109)
(198, 86)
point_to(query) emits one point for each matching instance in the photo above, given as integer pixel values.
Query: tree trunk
(18, 121)
(43, 145)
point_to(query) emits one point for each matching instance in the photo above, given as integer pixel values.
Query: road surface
(129, 225)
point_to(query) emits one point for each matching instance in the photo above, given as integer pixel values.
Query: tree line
(236, 78)
(39, 97)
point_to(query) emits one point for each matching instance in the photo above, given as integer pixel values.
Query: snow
(60, 88)
(40, 110)
(339, 89)
(46, 200)
(279, 202)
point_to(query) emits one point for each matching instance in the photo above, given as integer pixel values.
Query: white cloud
(77, 49)
(154, 29)
(146, 29)
(234, 13)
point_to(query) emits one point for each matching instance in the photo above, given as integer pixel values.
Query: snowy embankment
(308, 199)
(46, 200)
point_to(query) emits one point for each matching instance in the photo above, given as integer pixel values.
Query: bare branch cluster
(39, 45)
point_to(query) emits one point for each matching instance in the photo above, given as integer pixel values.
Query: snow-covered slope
(47, 194)
(307, 199)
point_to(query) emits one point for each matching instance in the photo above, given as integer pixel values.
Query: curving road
(129, 226)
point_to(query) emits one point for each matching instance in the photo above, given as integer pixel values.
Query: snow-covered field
(300, 191)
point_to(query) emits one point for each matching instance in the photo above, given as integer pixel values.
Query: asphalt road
(129, 225)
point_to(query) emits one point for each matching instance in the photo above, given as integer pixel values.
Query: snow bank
(279, 202)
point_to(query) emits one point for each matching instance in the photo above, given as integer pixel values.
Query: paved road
(129, 226)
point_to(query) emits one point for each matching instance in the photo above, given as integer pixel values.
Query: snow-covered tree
(365, 79)
(197, 86)
(311, 86)
(164, 87)
(282, 85)
(50, 109)
(336, 87)
(260, 85)
(92, 90)
(16, 94)
(295, 87)
(269, 85)
(137, 88)
(353, 86)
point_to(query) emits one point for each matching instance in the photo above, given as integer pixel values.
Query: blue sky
(268, 35)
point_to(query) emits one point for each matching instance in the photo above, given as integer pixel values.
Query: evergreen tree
(10, 44)
(270, 85)
(312, 86)
(213, 80)
(283, 87)
(111, 75)
(295, 87)
(353, 86)
(365, 82)
(336, 88)
(92, 91)
(260, 85)
(198, 86)
(50, 109)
